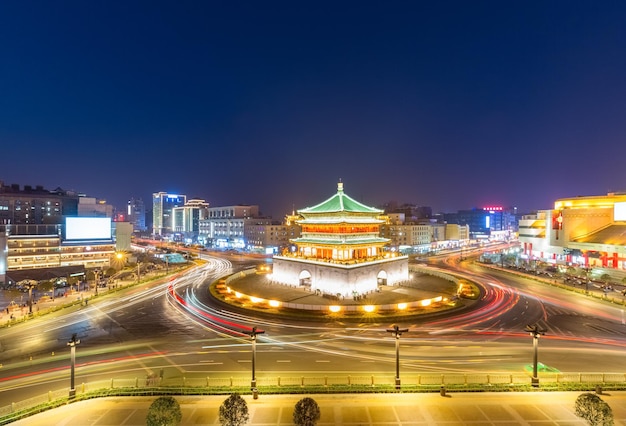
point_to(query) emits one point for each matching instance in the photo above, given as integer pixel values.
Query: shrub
(592, 408)
(234, 411)
(164, 411)
(306, 412)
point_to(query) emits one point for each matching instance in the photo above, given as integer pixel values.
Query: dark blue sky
(447, 104)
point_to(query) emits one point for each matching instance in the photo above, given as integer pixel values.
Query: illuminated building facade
(491, 222)
(162, 205)
(340, 251)
(582, 231)
(270, 236)
(224, 227)
(36, 251)
(136, 214)
(186, 220)
(35, 205)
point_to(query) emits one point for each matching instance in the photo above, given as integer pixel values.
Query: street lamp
(253, 333)
(396, 332)
(72, 344)
(95, 275)
(535, 332)
(587, 276)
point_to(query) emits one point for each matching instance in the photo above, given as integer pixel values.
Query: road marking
(283, 360)
(322, 360)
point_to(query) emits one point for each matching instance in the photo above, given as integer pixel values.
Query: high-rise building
(136, 214)
(162, 205)
(186, 220)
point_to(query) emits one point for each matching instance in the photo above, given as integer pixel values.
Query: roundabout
(427, 292)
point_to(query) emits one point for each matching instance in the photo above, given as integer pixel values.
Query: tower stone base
(340, 279)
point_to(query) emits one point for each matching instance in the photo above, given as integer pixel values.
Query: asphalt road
(141, 332)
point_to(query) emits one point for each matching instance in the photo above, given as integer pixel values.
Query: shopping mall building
(585, 231)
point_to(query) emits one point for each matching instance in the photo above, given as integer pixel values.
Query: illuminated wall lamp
(274, 303)
(255, 299)
(237, 295)
(369, 308)
(334, 308)
(402, 306)
(426, 302)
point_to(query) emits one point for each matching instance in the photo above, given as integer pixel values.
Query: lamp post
(396, 332)
(72, 344)
(587, 278)
(535, 332)
(95, 275)
(253, 333)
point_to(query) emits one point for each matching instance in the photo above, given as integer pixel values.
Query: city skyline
(448, 105)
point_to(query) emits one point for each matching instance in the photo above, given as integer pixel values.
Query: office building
(186, 220)
(35, 205)
(162, 205)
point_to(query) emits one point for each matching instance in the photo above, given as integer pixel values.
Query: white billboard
(87, 228)
(619, 211)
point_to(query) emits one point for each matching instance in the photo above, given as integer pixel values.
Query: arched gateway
(341, 249)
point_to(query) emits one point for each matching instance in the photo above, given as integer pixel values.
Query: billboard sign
(87, 228)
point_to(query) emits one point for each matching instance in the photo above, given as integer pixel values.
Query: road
(143, 331)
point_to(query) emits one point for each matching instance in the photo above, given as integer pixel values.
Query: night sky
(451, 105)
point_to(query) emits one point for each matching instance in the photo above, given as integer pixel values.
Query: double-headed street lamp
(535, 332)
(72, 344)
(253, 333)
(396, 331)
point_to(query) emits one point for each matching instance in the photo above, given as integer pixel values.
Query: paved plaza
(480, 409)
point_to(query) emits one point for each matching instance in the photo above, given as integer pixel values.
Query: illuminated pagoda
(340, 251)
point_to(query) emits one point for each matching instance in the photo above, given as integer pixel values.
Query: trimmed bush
(234, 411)
(164, 411)
(592, 408)
(306, 412)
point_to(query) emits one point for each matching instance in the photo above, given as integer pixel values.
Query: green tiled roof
(340, 202)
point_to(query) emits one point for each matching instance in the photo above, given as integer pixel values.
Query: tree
(234, 411)
(164, 411)
(306, 412)
(592, 408)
